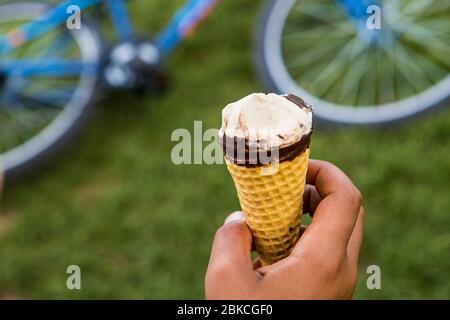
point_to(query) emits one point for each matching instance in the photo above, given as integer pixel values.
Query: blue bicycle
(321, 50)
(50, 74)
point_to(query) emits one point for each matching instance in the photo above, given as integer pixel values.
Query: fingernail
(237, 216)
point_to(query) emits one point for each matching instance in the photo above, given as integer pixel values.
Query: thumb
(230, 255)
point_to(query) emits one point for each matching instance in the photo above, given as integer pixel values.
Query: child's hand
(323, 264)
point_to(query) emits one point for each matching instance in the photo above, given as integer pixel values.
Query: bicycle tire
(71, 124)
(269, 78)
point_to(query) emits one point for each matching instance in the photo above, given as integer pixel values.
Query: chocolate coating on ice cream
(298, 101)
(284, 134)
(287, 153)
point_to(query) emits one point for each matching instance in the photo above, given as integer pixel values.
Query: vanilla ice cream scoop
(266, 122)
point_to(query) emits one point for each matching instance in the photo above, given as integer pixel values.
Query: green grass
(141, 227)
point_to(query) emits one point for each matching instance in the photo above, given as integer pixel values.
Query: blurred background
(141, 227)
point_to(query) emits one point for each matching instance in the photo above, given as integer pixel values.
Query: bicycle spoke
(416, 7)
(22, 125)
(322, 12)
(60, 42)
(369, 83)
(353, 76)
(314, 53)
(386, 67)
(428, 7)
(440, 27)
(440, 60)
(411, 71)
(418, 34)
(45, 100)
(317, 33)
(432, 70)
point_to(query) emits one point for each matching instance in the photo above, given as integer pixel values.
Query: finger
(238, 216)
(335, 216)
(230, 254)
(263, 270)
(354, 244)
(311, 199)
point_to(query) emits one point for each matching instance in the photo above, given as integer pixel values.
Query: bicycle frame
(182, 25)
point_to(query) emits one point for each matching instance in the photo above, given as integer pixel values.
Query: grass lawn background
(141, 227)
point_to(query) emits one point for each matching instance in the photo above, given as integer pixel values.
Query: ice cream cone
(270, 194)
(272, 205)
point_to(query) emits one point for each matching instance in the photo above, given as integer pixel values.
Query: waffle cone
(272, 204)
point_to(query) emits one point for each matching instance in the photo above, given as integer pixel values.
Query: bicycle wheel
(46, 88)
(324, 51)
